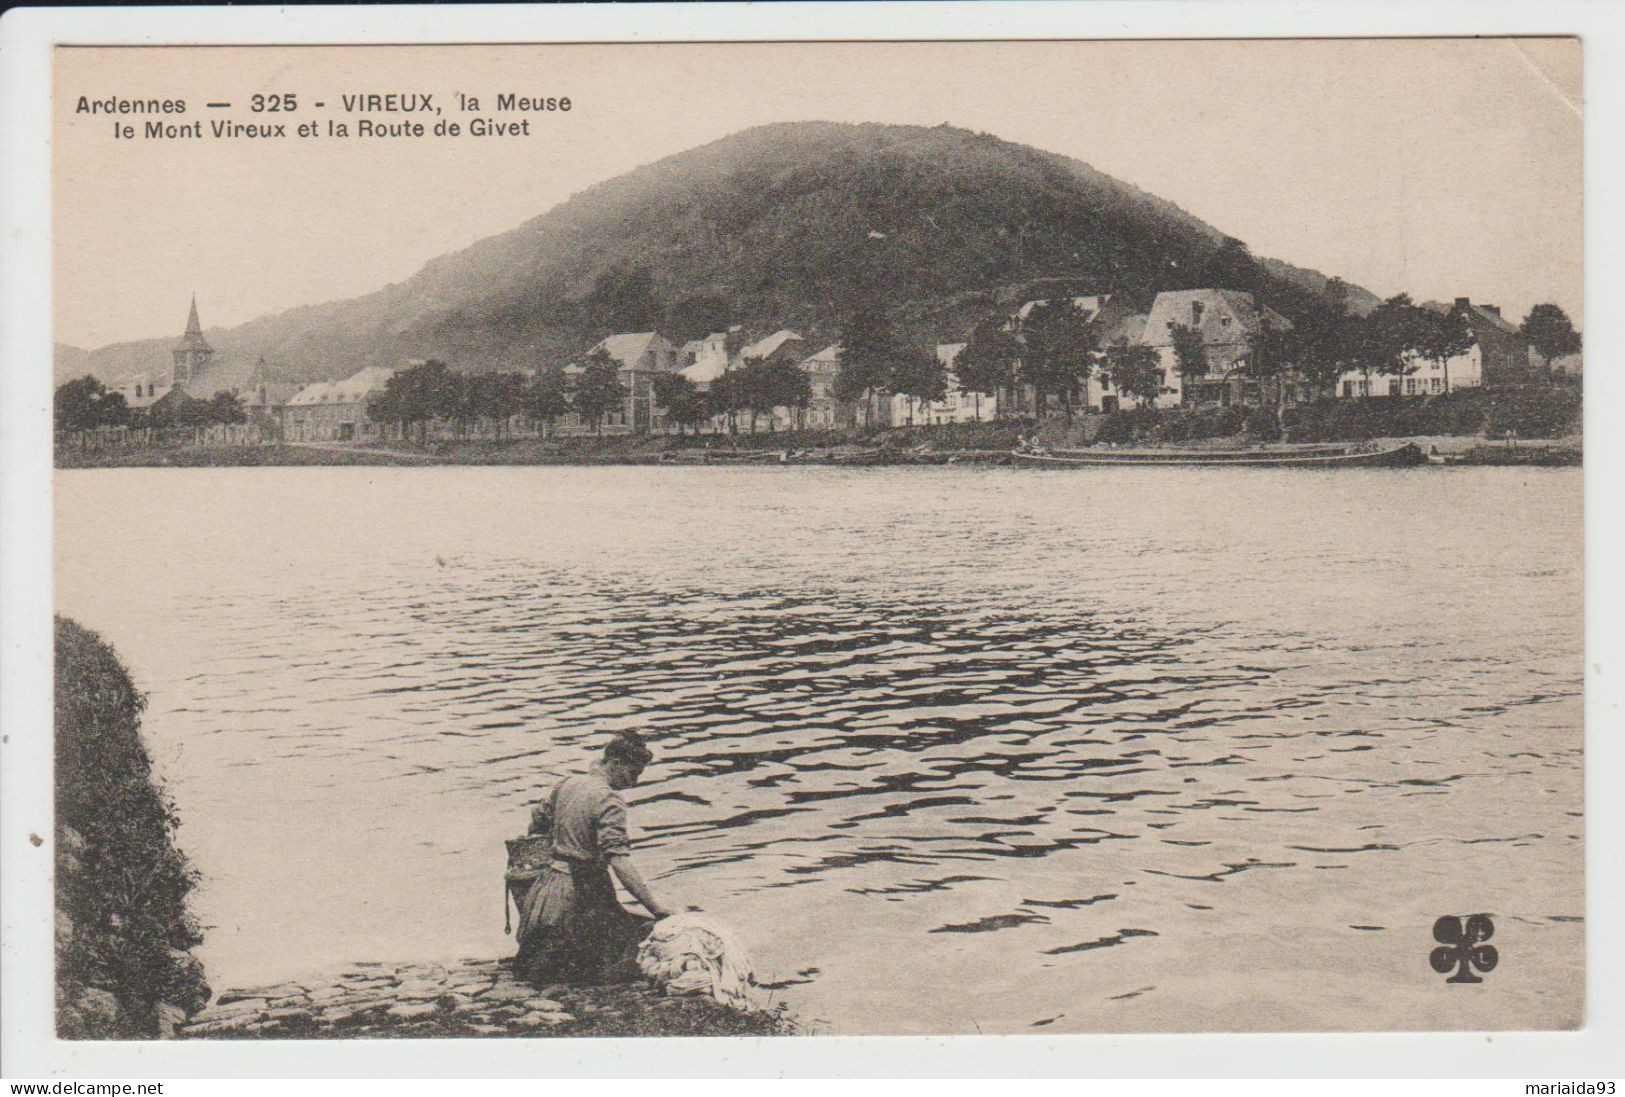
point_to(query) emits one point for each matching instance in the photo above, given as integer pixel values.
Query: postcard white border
(27, 1043)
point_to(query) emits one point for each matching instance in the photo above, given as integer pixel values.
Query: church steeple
(193, 352)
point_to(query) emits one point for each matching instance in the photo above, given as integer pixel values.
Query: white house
(1430, 377)
(702, 361)
(957, 406)
(1499, 355)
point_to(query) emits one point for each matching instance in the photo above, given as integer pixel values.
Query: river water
(952, 750)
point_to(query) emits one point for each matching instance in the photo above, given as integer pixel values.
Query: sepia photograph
(818, 539)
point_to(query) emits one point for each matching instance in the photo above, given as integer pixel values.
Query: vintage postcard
(818, 538)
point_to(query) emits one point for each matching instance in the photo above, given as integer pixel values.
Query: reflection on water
(953, 750)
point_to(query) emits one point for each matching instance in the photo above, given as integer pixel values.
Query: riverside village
(1212, 369)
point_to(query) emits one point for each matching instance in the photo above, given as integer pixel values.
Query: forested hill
(782, 225)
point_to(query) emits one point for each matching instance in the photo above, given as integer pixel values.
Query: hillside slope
(783, 225)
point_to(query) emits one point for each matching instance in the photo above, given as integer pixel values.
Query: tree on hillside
(1190, 358)
(86, 403)
(1444, 337)
(623, 300)
(547, 396)
(695, 317)
(1057, 352)
(1232, 266)
(868, 351)
(1551, 332)
(987, 364)
(598, 389)
(919, 375)
(1134, 370)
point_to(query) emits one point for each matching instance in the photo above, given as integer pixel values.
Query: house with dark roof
(639, 356)
(1229, 322)
(336, 411)
(1504, 355)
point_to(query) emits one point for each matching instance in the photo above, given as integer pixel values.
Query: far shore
(764, 448)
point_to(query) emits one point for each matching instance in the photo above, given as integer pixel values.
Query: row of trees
(756, 387)
(1395, 337)
(874, 360)
(433, 391)
(86, 404)
(1055, 351)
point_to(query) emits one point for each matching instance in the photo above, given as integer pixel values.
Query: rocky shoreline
(471, 998)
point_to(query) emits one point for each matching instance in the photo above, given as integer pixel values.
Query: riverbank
(916, 448)
(474, 998)
(1545, 419)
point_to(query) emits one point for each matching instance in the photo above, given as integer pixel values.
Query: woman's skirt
(572, 929)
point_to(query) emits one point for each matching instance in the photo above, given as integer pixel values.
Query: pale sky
(1442, 168)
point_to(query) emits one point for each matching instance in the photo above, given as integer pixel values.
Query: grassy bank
(123, 969)
(1535, 411)
(67, 457)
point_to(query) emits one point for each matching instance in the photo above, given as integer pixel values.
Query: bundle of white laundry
(691, 954)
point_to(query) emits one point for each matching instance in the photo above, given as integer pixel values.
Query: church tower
(193, 352)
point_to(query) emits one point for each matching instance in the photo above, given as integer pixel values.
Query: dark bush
(1532, 412)
(1262, 425)
(1128, 427)
(121, 885)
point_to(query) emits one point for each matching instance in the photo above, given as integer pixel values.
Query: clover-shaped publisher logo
(1461, 948)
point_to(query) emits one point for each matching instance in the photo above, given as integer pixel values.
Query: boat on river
(1363, 455)
(724, 457)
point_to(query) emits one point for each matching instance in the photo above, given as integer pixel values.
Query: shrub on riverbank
(1536, 411)
(122, 929)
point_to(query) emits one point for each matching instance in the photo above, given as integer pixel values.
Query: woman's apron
(572, 928)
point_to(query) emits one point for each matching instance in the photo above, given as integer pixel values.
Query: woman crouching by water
(572, 929)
